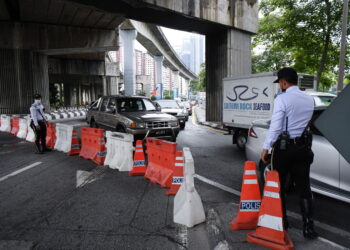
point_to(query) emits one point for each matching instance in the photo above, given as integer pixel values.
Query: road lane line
(218, 185)
(20, 171)
(296, 216)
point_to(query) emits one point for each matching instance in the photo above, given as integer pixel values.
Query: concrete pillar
(228, 53)
(128, 39)
(176, 85)
(104, 85)
(113, 81)
(22, 74)
(159, 75)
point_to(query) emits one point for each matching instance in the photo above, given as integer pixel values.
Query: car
(329, 172)
(321, 98)
(185, 111)
(172, 107)
(134, 115)
(188, 107)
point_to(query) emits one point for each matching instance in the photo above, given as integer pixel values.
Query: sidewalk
(199, 112)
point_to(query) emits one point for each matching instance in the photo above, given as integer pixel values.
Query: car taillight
(252, 133)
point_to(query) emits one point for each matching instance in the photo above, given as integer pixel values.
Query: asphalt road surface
(54, 201)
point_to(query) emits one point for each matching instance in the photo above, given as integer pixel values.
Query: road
(53, 205)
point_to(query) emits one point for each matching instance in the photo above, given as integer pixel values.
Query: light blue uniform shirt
(37, 113)
(297, 106)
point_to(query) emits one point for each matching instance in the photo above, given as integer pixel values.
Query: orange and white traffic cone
(270, 232)
(139, 167)
(178, 174)
(249, 206)
(75, 146)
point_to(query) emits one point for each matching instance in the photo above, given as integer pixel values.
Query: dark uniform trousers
(296, 160)
(40, 135)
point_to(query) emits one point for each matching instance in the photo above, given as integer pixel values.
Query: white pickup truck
(249, 98)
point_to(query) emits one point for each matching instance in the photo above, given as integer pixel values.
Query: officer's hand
(37, 127)
(264, 153)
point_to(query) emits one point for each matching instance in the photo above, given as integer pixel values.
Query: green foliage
(198, 85)
(304, 34)
(153, 97)
(141, 93)
(168, 94)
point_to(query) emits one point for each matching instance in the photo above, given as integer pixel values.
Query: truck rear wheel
(241, 140)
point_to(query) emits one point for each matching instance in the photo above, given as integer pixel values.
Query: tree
(300, 33)
(198, 84)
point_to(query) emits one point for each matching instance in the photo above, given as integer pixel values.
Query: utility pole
(343, 46)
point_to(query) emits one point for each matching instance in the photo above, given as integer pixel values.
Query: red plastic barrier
(178, 174)
(161, 161)
(50, 135)
(14, 125)
(93, 145)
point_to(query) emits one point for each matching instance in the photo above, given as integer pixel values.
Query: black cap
(288, 74)
(37, 96)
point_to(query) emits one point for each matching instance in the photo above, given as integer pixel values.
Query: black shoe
(38, 149)
(47, 150)
(308, 230)
(307, 213)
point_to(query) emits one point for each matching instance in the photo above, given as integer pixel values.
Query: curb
(209, 124)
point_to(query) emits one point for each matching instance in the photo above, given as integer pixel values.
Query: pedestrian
(38, 124)
(290, 140)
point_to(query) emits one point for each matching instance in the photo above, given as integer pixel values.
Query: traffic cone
(270, 232)
(249, 206)
(139, 167)
(75, 146)
(178, 175)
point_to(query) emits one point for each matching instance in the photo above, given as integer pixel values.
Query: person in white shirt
(290, 141)
(38, 124)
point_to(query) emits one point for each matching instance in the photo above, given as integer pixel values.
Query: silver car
(329, 173)
(172, 107)
(133, 115)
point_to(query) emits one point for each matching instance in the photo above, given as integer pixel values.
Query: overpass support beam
(128, 38)
(176, 83)
(22, 73)
(159, 75)
(228, 53)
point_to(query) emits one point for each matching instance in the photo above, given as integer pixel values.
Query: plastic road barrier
(5, 123)
(93, 145)
(178, 174)
(30, 134)
(270, 232)
(161, 161)
(188, 206)
(249, 207)
(50, 135)
(22, 132)
(119, 151)
(56, 115)
(14, 125)
(139, 167)
(67, 139)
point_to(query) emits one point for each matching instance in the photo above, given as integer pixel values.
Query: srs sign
(249, 98)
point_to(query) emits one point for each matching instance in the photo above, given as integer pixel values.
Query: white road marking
(84, 177)
(218, 185)
(20, 171)
(329, 228)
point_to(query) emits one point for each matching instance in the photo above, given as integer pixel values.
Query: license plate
(160, 132)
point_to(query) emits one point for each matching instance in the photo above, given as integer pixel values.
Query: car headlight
(174, 123)
(137, 125)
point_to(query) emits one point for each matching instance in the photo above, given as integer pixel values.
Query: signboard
(334, 123)
(159, 90)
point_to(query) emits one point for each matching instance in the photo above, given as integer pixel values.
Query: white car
(321, 98)
(172, 107)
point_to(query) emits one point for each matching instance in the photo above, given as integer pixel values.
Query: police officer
(290, 140)
(38, 124)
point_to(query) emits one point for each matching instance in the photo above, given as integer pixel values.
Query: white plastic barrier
(48, 117)
(64, 137)
(119, 151)
(5, 123)
(188, 206)
(65, 115)
(30, 134)
(76, 113)
(56, 115)
(23, 128)
(71, 114)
